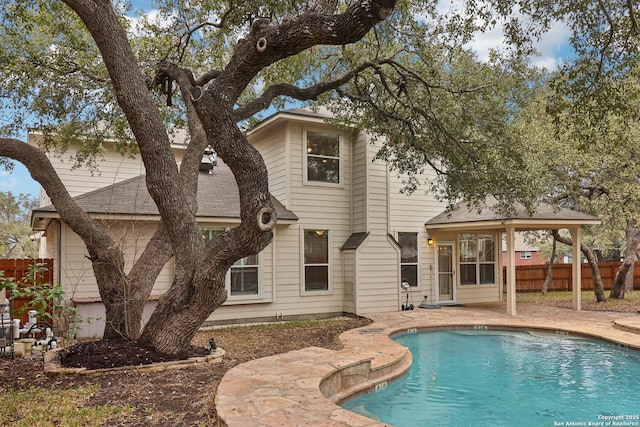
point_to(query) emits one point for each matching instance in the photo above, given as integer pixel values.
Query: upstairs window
(525, 255)
(323, 157)
(409, 257)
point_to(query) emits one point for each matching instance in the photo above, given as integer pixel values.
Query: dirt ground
(185, 397)
(181, 397)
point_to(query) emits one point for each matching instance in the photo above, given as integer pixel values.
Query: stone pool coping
(304, 387)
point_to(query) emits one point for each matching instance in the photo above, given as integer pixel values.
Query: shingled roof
(545, 216)
(217, 198)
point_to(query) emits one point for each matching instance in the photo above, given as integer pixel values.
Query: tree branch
(302, 94)
(267, 44)
(43, 171)
(130, 87)
(632, 18)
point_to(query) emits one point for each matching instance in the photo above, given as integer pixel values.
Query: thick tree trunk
(629, 282)
(549, 278)
(198, 287)
(193, 297)
(124, 302)
(182, 311)
(598, 287)
(632, 235)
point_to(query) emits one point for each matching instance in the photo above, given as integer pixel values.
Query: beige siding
(75, 268)
(318, 207)
(273, 147)
(360, 167)
(368, 199)
(77, 272)
(378, 275)
(349, 280)
(290, 300)
(475, 294)
(49, 247)
(378, 263)
(412, 211)
(111, 168)
(408, 213)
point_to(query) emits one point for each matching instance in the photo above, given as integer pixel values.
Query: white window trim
(227, 283)
(477, 263)
(303, 291)
(227, 279)
(526, 255)
(305, 169)
(417, 263)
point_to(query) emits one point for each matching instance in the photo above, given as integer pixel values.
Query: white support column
(576, 269)
(511, 271)
(501, 274)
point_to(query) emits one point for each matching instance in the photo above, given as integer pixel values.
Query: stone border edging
(303, 387)
(630, 324)
(52, 365)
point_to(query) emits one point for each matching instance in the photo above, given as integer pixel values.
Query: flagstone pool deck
(304, 387)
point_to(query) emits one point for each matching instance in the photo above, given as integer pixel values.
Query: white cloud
(8, 181)
(18, 181)
(553, 46)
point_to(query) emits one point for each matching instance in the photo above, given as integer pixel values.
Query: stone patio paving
(303, 387)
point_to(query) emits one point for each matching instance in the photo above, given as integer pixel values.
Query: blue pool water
(504, 378)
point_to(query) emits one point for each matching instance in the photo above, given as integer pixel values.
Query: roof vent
(209, 160)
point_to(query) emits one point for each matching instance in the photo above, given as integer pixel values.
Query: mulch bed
(176, 397)
(117, 353)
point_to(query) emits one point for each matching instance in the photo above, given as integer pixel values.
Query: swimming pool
(463, 377)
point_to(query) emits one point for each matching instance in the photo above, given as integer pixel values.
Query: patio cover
(545, 217)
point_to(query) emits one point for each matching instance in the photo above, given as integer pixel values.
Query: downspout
(352, 137)
(59, 252)
(389, 233)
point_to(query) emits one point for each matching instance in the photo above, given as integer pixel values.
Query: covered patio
(546, 217)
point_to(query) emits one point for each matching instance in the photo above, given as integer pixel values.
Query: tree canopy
(83, 70)
(15, 229)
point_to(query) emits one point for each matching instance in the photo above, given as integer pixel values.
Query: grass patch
(630, 303)
(534, 297)
(41, 407)
(282, 324)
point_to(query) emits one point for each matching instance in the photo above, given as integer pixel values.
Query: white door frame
(453, 273)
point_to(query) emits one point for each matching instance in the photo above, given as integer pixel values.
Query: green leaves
(15, 229)
(442, 108)
(44, 298)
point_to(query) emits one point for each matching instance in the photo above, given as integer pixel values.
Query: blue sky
(18, 181)
(553, 48)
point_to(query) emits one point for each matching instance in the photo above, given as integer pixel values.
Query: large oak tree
(212, 113)
(81, 70)
(210, 67)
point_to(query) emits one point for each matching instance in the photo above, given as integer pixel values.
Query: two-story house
(345, 240)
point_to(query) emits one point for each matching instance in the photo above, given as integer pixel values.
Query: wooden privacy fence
(19, 268)
(529, 278)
